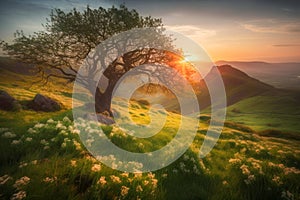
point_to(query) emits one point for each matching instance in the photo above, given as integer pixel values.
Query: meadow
(42, 156)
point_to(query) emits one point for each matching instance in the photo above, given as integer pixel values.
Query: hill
(238, 85)
(280, 75)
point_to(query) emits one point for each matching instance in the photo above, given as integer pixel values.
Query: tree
(70, 37)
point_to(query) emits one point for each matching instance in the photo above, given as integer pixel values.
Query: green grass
(246, 163)
(267, 112)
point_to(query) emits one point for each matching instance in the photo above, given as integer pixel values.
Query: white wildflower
(21, 182)
(8, 135)
(245, 169)
(49, 180)
(73, 163)
(31, 131)
(66, 119)
(16, 142)
(50, 121)
(235, 160)
(44, 142)
(102, 181)
(34, 162)
(19, 195)
(139, 188)
(124, 190)
(4, 179)
(46, 147)
(38, 125)
(287, 195)
(23, 164)
(125, 174)
(115, 179)
(96, 167)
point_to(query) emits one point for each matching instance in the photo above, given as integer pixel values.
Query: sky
(229, 30)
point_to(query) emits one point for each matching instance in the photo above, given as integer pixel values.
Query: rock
(44, 103)
(7, 102)
(100, 118)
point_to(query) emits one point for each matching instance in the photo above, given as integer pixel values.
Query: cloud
(192, 31)
(286, 45)
(272, 26)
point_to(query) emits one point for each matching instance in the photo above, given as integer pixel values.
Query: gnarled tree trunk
(103, 99)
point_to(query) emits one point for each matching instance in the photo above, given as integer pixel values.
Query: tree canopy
(69, 39)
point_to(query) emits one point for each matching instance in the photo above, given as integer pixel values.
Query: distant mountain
(238, 85)
(280, 75)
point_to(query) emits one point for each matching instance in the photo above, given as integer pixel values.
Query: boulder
(7, 102)
(100, 118)
(44, 103)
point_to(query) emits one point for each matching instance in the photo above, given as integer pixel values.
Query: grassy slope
(267, 112)
(48, 159)
(242, 165)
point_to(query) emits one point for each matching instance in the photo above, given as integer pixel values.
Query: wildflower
(21, 182)
(276, 179)
(185, 157)
(50, 121)
(196, 170)
(73, 163)
(243, 150)
(141, 145)
(124, 190)
(63, 132)
(76, 131)
(146, 182)
(150, 175)
(102, 181)
(124, 174)
(181, 165)
(8, 135)
(19, 195)
(287, 195)
(137, 175)
(96, 167)
(60, 126)
(3, 129)
(165, 175)
(115, 179)
(23, 164)
(63, 145)
(175, 171)
(31, 131)
(66, 119)
(77, 145)
(281, 166)
(249, 179)
(289, 170)
(44, 142)
(34, 162)
(49, 180)
(46, 147)
(225, 182)
(202, 164)
(245, 169)
(39, 125)
(16, 142)
(28, 139)
(139, 188)
(154, 182)
(4, 179)
(271, 164)
(234, 160)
